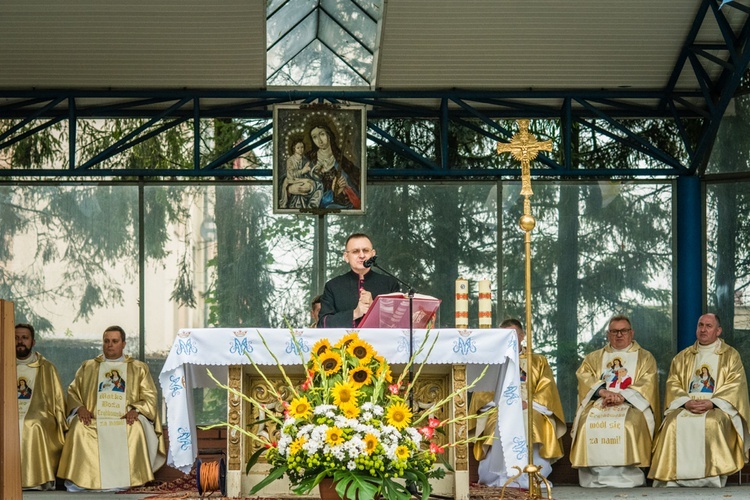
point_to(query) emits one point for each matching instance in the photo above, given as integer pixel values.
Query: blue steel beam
(637, 141)
(717, 93)
(32, 116)
(125, 142)
(738, 46)
(238, 149)
(254, 103)
(264, 174)
(614, 105)
(385, 139)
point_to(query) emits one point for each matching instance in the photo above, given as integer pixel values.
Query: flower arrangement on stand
(350, 421)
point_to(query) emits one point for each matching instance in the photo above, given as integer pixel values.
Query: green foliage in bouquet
(350, 421)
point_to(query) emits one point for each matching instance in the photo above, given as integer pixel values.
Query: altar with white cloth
(459, 356)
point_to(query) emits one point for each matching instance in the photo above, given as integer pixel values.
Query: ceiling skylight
(321, 42)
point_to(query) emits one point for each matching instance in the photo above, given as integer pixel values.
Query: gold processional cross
(524, 147)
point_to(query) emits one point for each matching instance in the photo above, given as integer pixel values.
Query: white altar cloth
(195, 350)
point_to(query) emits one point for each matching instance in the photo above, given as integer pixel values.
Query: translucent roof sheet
(321, 42)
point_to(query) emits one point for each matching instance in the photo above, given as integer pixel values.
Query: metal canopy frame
(604, 111)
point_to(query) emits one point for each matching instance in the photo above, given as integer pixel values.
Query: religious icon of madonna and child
(702, 381)
(24, 391)
(114, 382)
(318, 159)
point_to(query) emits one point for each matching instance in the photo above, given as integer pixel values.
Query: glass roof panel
(273, 5)
(316, 65)
(353, 19)
(290, 45)
(286, 18)
(374, 8)
(321, 42)
(342, 44)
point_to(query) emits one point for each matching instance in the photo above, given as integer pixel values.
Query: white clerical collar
(121, 358)
(710, 347)
(626, 349)
(26, 361)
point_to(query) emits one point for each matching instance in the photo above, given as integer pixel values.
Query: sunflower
(399, 415)
(360, 350)
(346, 340)
(371, 442)
(402, 452)
(362, 375)
(334, 436)
(321, 346)
(330, 362)
(296, 445)
(300, 408)
(350, 410)
(343, 393)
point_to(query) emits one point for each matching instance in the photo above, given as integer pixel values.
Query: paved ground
(578, 493)
(559, 493)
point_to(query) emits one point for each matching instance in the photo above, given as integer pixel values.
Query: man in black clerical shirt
(347, 298)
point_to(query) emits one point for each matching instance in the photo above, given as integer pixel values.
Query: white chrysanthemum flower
(351, 465)
(305, 429)
(414, 435)
(337, 452)
(355, 446)
(312, 447)
(390, 433)
(390, 451)
(323, 409)
(284, 442)
(378, 410)
(341, 421)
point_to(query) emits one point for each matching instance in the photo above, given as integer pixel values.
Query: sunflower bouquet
(349, 420)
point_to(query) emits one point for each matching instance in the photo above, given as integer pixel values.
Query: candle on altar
(485, 304)
(462, 303)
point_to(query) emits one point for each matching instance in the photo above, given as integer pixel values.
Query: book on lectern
(391, 310)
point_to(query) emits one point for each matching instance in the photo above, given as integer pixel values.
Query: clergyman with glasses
(347, 298)
(618, 411)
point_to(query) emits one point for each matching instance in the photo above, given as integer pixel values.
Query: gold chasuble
(41, 410)
(620, 435)
(692, 447)
(100, 386)
(549, 424)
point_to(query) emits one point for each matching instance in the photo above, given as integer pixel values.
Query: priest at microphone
(347, 298)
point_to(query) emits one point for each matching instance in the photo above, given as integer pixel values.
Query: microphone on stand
(371, 263)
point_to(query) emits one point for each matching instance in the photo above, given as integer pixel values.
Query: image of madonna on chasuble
(698, 449)
(621, 435)
(109, 453)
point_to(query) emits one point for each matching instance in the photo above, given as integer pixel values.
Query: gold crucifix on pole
(524, 147)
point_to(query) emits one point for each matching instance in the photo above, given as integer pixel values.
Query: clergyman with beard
(41, 412)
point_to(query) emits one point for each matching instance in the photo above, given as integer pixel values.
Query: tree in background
(86, 230)
(728, 231)
(427, 234)
(598, 249)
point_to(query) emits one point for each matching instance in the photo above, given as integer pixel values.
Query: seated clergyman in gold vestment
(704, 437)
(618, 411)
(41, 413)
(548, 427)
(115, 439)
